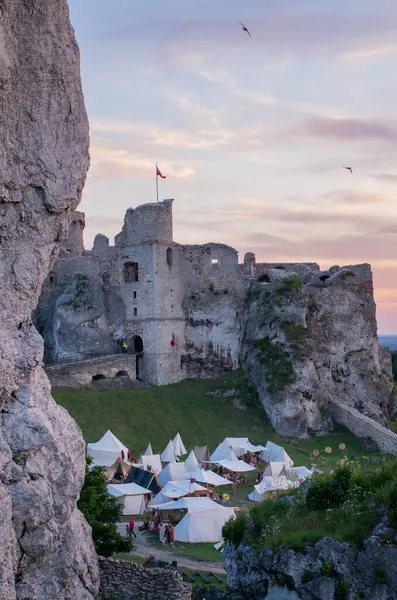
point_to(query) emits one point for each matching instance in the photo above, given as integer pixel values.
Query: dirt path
(144, 549)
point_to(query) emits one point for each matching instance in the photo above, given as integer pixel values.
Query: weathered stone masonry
(123, 580)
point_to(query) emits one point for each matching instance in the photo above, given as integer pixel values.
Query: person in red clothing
(131, 527)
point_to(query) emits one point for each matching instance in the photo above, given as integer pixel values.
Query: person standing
(131, 527)
(172, 533)
(162, 533)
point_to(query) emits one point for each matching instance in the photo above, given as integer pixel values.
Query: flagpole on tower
(157, 184)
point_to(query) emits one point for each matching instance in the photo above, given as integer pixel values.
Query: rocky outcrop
(46, 546)
(311, 337)
(329, 570)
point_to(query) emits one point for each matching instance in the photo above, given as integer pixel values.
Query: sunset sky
(252, 133)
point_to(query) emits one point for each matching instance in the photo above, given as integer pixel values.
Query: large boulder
(47, 550)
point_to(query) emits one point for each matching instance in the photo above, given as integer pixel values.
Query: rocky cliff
(311, 337)
(329, 570)
(46, 547)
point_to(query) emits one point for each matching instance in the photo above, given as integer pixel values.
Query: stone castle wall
(123, 580)
(81, 372)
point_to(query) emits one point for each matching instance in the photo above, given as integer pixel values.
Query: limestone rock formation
(46, 546)
(311, 337)
(330, 569)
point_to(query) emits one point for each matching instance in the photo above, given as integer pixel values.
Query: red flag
(159, 173)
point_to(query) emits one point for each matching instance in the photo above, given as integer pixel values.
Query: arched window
(137, 344)
(106, 277)
(264, 278)
(98, 377)
(170, 258)
(130, 272)
(52, 278)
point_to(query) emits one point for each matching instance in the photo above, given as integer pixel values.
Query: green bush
(279, 371)
(341, 592)
(291, 284)
(234, 529)
(327, 570)
(325, 492)
(102, 512)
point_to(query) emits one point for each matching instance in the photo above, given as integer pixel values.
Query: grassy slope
(156, 415)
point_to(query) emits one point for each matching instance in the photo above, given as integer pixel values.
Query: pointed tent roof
(275, 453)
(126, 489)
(106, 450)
(207, 477)
(151, 462)
(168, 456)
(107, 443)
(236, 466)
(143, 478)
(275, 468)
(241, 446)
(177, 489)
(223, 452)
(172, 472)
(148, 450)
(179, 447)
(119, 469)
(192, 462)
(201, 453)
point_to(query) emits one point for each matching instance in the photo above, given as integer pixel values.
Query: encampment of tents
(133, 497)
(145, 479)
(202, 522)
(178, 489)
(105, 452)
(118, 470)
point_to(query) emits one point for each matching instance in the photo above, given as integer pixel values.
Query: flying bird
(349, 169)
(243, 27)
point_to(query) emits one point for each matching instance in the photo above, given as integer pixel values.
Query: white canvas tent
(151, 462)
(270, 484)
(168, 456)
(107, 450)
(223, 452)
(302, 472)
(148, 451)
(177, 489)
(179, 447)
(236, 466)
(133, 497)
(202, 522)
(192, 462)
(275, 468)
(241, 446)
(275, 453)
(208, 477)
(172, 472)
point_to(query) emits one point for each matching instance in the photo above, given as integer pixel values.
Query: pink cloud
(346, 129)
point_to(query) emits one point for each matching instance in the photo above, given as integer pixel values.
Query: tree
(102, 512)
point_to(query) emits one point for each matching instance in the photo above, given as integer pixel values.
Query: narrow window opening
(170, 258)
(135, 311)
(130, 272)
(134, 294)
(214, 262)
